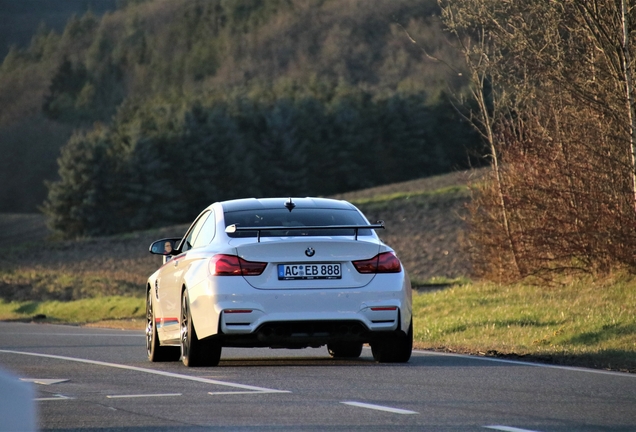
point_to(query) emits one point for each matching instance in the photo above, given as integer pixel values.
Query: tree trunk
(629, 83)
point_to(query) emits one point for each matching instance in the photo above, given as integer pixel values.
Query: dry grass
(425, 223)
(427, 184)
(88, 268)
(426, 231)
(423, 219)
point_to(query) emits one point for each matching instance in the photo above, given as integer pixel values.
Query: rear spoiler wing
(230, 229)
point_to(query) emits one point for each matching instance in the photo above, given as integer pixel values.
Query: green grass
(74, 312)
(583, 323)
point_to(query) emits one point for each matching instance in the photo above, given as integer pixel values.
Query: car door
(171, 279)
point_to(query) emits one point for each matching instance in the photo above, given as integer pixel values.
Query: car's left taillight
(385, 262)
(232, 265)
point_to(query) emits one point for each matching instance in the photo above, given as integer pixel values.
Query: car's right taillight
(385, 262)
(232, 265)
(251, 268)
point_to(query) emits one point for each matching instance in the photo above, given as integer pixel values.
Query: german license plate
(309, 271)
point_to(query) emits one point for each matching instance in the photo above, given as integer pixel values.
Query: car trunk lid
(309, 262)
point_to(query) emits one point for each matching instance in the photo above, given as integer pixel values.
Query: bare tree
(560, 121)
(481, 56)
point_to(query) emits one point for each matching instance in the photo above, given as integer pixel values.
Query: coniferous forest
(144, 115)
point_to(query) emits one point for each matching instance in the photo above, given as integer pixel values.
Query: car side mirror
(165, 246)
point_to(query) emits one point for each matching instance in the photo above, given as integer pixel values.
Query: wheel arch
(204, 312)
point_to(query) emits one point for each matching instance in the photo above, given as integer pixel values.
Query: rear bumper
(302, 334)
(245, 316)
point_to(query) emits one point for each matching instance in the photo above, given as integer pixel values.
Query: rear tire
(196, 352)
(395, 350)
(156, 352)
(345, 350)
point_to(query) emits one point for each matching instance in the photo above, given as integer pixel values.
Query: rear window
(297, 221)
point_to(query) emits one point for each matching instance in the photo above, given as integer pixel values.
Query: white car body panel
(241, 305)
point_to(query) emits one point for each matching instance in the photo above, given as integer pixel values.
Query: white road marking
(79, 334)
(379, 407)
(508, 429)
(149, 371)
(248, 392)
(143, 395)
(43, 381)
(524, 363)
(55, 398)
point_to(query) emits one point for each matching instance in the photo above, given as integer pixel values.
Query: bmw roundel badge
(310, 252)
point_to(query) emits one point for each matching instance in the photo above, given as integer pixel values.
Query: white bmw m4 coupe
(280, 273)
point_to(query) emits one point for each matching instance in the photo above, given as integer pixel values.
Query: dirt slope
(424, 221)
(423, 224)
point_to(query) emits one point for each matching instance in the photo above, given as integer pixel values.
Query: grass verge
(583, 324)
(114, 308)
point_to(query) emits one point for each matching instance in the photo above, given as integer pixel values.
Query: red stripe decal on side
(167, 320)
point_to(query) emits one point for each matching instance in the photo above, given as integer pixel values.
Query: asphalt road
(100, 380)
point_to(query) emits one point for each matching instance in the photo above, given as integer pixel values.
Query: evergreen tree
(65, 87)
(81, 202)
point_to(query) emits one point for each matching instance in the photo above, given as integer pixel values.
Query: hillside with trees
(21, 19)
(166, 105)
